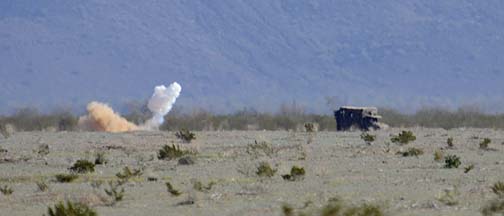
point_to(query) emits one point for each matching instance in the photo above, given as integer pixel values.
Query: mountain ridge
(233, 54)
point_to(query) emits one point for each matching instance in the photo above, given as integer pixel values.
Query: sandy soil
(337, 164)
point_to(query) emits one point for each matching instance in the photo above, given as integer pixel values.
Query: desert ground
(337, 164)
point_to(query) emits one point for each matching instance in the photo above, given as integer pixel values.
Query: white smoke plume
(102, 118)
(161, 103)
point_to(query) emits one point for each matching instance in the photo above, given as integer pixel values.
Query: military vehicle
(357, 118)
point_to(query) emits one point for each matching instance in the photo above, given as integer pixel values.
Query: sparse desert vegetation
(484, 143)
(452, 161)
(115, 192)
(6, 190)
(403, 138)
(495, 207)
(296, 174)
(264, 170)
(411, 152)
(368, 138)
(254, 172)
(71, 209)
(66, 178)
(336, 207)
(83, 166)
(172, 152)
(288, 117)
(185, 135)
(172, 189)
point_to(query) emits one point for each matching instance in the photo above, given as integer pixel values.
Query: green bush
(114, 192)
(83, 166)
(172, 152)
(468, 168)
(100, 158)
(403, 138)
(262, 148)
(484, 144)
(265, 170)
(336, 207)
(309, 127)
(493, 208)
(412, 152)
(172, 189)
(438, 155)
(368, 138)
(3, 131)
(498, 189)
(449, 142)
(127, 173)
(452, 161)
(42, 186)
(185, 135)
(71, 209)
(296, 173)
(6, 190)
(66, 178)
(197, 185)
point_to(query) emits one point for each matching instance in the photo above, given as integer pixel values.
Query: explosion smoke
(102, 118)
(161, 103)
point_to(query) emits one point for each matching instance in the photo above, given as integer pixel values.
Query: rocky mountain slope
(232, 54)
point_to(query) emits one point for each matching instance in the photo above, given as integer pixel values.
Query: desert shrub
(114, 192)
(309, 127)
(42, 186)
(185, 135)
(449, 197)
(82, 166)
(438, 155)
(71, 209)
(452, 161)
(449, 142)
(498, 189)
(42, 150)
(287, 210)
(100, 158)
(441, 118)
(3, 130)
(493, 208)
(199, 186)
(172, 152)
(246, 119)
(127, 174)
(296, 173)
(336, 207)
(189, 201)
(186, 160)
(468, 168)
(403, 138)
(265, 170)
(66, 178)
(172, 189)
(412, 152)
(368, 138)
(30, 119)
(6, 190)
(484, 143)
(260, 149)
